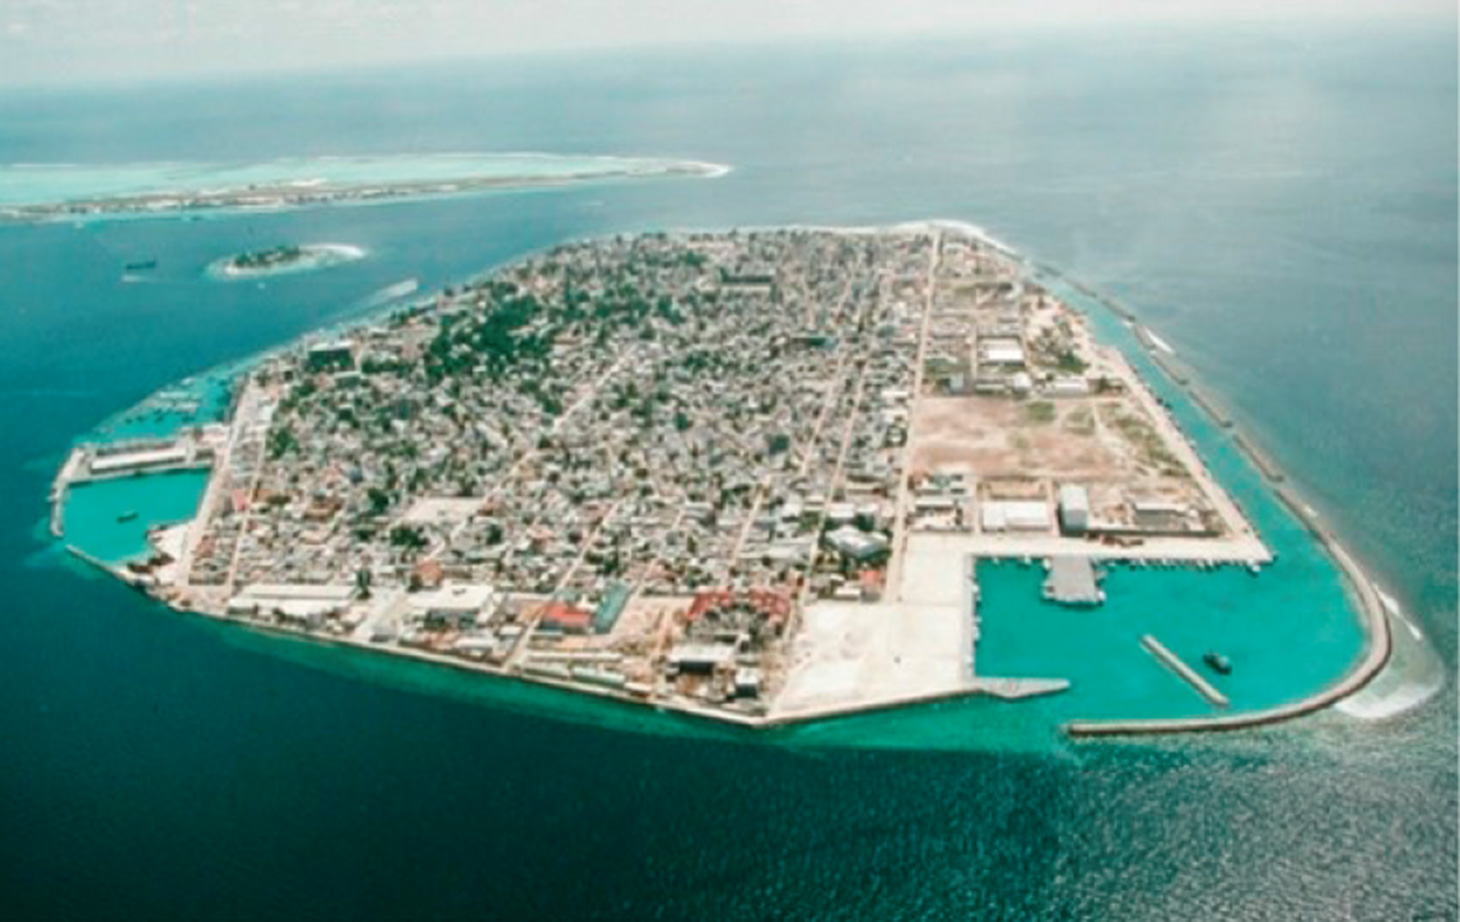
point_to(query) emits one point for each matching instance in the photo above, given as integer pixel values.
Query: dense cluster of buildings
(631, 465)
(661, 417)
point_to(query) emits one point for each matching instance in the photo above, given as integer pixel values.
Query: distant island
(267, 259)
(749, 476)
(284, 259)
(173, 189)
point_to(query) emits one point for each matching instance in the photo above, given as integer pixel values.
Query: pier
(1177, 665)
(128, 459)
(1072, 581)
(1014, 689)
(1376, 621)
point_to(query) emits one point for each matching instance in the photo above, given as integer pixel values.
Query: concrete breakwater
(1188, 675)
(1259, 459)
(1170, 370)
(59, 488)
(1210, 408)
(101, 565)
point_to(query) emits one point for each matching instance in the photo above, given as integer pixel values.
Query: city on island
(742, 474)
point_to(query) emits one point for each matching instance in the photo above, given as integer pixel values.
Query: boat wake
(402, 289)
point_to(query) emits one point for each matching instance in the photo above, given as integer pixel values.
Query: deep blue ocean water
(1281, 207)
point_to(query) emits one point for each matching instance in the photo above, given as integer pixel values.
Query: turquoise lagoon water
(1287, 634)
(93, 509)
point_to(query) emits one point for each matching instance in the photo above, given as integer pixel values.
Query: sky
(71, 41)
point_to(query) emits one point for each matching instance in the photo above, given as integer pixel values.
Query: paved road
(899, 515)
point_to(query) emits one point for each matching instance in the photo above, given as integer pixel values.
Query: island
(752, 476)
(141, 190)
(284, 259)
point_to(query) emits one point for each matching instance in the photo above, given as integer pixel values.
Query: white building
(1068, 386)
(1001, 352)
(302, 602)
(138, 460)
(1074, 508)
(998, 515)
(455, 605)
(852, 542)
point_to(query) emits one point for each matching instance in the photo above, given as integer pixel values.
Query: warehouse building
(1074, 509)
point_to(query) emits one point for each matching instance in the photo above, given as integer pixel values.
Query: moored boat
(1217, 662)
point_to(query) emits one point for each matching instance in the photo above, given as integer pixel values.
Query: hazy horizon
(46, 42)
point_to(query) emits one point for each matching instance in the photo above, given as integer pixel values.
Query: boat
(139, 266)
(1218, 663)
(127, 516)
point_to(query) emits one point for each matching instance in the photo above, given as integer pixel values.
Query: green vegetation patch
(1079, 421)
(1039, 412)
(1070, 363)
(1152, 450)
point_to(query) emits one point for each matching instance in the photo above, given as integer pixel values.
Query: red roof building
(570, 619)
(775, 606)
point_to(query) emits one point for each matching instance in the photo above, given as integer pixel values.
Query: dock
(140, 456)
(1014, 689)
(1071, 581)
(1177, 665)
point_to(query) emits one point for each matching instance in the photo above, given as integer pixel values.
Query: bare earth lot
(998, 437)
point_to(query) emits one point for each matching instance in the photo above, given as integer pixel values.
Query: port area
(193, 449)
(547, 475)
